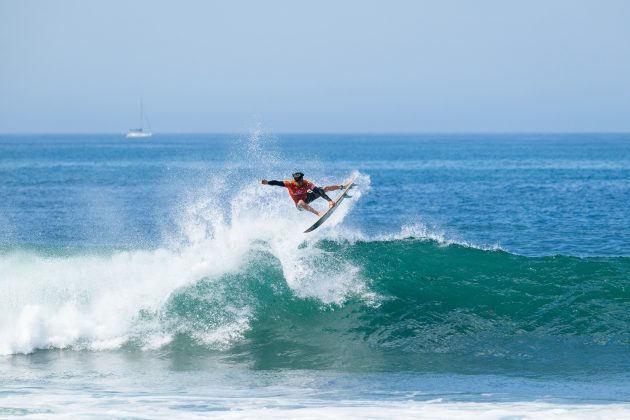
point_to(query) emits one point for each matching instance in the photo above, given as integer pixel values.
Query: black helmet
(298, 176)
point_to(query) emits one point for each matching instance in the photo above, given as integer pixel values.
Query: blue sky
(321, 66)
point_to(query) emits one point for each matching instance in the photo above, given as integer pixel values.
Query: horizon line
(376, 133)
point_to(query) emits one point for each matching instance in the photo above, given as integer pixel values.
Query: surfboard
(331, 210)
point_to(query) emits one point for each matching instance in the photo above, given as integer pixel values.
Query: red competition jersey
(296, 192)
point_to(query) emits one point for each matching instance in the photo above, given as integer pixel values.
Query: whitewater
(477, 276)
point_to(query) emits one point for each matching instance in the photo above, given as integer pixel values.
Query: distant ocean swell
(346, 302)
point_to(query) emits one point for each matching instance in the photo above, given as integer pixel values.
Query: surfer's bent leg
(320, 192)
(305, 206)
(317, 192)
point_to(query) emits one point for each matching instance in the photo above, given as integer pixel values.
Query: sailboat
(139, 132)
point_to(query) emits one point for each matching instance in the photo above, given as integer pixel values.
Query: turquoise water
(466, 269)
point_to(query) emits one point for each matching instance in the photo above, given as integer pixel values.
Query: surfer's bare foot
(331, 204)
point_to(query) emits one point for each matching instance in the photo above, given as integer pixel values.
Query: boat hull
(138, 135)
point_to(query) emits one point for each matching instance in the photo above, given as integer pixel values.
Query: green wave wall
(431, 306)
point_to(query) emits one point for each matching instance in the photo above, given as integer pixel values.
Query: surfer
(303, 191)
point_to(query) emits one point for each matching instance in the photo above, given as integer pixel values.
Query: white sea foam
(439, 410)
(90, 301)
(64, 404)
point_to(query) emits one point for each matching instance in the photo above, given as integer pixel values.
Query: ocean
(469, 275)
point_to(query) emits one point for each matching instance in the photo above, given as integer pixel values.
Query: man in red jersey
(303, 191)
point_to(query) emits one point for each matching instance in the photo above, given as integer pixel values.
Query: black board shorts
(310, 197)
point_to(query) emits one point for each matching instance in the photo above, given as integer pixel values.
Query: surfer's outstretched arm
(333, 188)
(272, 182)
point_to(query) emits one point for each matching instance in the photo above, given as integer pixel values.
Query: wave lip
(421, 231)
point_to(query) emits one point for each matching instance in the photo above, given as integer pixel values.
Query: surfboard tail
(330, 211)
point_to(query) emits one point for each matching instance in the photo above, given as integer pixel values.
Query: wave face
(385, 304)
(423, 303)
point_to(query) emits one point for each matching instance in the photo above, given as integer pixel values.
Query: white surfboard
(330, 211)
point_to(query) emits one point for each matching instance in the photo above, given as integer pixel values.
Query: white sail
(139, 132)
